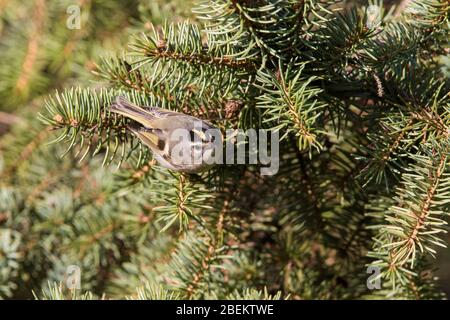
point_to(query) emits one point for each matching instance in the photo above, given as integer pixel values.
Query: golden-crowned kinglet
(178, 141)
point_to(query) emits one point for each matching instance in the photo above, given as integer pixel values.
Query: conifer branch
(415, 222)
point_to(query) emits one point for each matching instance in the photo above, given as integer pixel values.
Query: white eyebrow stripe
(201, 134)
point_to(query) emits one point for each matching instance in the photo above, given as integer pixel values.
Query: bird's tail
(127, 109)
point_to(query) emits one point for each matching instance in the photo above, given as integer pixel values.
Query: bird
(178, 141)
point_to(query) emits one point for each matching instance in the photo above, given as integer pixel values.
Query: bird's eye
(192, 135)
(161, 144)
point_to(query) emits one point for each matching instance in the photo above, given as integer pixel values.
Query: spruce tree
(358, 92)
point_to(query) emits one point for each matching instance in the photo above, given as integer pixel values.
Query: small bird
(178, 141)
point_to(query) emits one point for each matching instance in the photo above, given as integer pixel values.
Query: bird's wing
(144, 116)
(158, 146)
(149, 137)
(127, 109)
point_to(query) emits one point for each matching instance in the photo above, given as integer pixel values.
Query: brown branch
(74, 123)
(427, 116)
(388, 152)
(198, 276)
(421, 216)
(50, 179)
(27, 151)
(298, 122)
(9, 118)
(204, 59)
(181, 195)
(94, 238)
(33, 46)
(424, 212)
